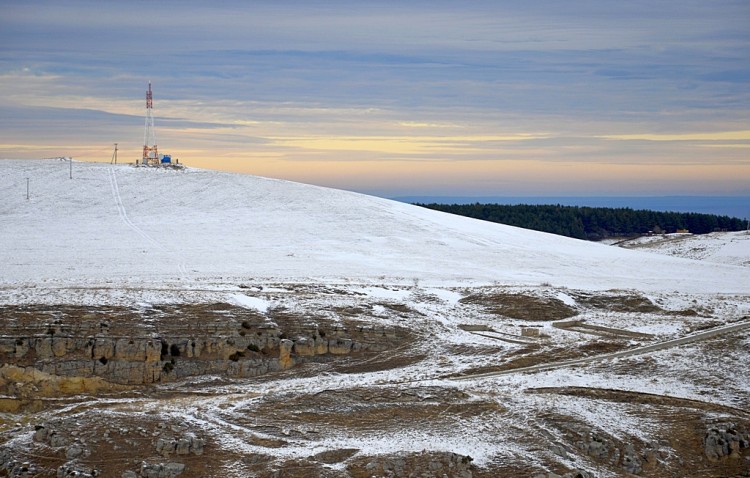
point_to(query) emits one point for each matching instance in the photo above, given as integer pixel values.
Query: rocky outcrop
(630, 457)
(184, 445)
(69, 349)
(725, 441)
(449, 465)
(70, 470)
(161, 470)
(25, 385)
(49, 436)
(11, 465)
(570, 474)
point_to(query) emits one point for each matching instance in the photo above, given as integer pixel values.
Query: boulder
(161, 470)
(285, 354)
(184, 445)
(725, 441)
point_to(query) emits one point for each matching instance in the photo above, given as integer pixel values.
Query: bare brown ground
(521, 306)
(535, 355)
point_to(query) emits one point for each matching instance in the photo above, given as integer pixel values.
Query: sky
(393, 98)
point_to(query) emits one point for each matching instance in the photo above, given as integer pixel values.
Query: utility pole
(27, 189)
(114, 156)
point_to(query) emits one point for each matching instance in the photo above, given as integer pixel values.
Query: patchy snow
(386, 293)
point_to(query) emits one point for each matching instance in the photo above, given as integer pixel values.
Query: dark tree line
(592, 223)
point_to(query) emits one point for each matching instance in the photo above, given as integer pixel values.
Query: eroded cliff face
(47, 350)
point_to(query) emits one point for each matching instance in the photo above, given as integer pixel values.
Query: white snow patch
(378, 309)
(566, 299)
(659, 328)
(446, 295)
(248, 302)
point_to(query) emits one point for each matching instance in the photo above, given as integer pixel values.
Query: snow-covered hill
(282, 326)
(124, 225)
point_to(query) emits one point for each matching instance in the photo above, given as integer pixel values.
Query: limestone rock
(7, 345)
(74, 451)
(104, 348)
(631, 461)
(725, 441)
(47, 435)
(340, 346)
(304, 347)
(22, 347)
(439, 464)
(184, 445)
(285, 354)
(161, 470)
(74, 470)
(570, 474)
(86, 352)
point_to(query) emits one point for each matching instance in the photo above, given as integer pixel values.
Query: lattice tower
(150, 151)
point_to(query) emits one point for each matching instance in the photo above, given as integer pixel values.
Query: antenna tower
(150, 153)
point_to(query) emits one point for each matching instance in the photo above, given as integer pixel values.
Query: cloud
(281, 84)
(712, 136)
(404, 144)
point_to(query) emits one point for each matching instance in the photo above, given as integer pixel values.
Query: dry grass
(616, 302)
(521, 306)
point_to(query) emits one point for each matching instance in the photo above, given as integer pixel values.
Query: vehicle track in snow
(181, 265)
(121, 208)
(697, 337)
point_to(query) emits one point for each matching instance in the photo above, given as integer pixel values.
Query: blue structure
(166, 159)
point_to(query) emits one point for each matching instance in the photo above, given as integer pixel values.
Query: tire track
(123, 213)
(181, 264)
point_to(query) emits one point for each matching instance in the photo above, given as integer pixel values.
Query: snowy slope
(731, 248)
(125, 226)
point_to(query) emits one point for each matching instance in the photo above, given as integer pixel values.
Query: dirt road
(697, 337)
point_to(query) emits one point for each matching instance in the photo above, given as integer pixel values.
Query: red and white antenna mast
(150, 152)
